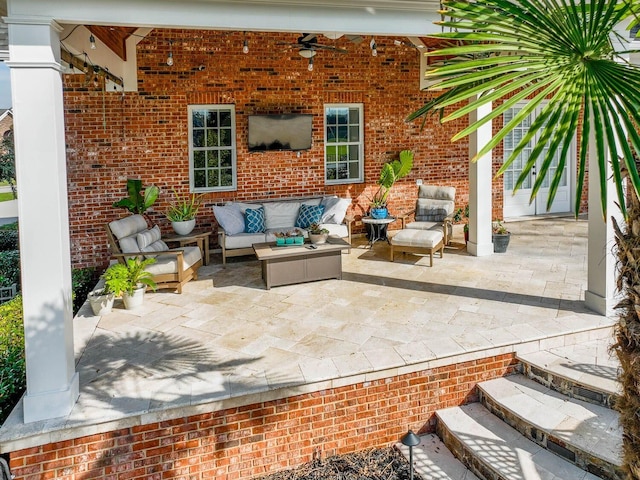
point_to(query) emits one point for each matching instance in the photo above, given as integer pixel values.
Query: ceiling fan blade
(329, 47)
(307, 38)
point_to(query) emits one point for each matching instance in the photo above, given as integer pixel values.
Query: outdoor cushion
(336, 230)
(254, 220)
(129, 244)
(244, 206)
(309, 214)
(147, 237)
(417, 238)
(437, 192)
(281, 214)
(169, 263)
(243, 240)
(128, 226)
(230, 218)
(430, 210)
(335, 209)
(424, 225)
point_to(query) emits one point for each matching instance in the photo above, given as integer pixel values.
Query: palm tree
(562, 52)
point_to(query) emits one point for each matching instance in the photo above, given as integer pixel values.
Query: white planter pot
(101, 304)
(134, 300)
(184, 228)
(318, 238)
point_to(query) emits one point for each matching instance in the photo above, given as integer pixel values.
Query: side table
(201, 239)
(378, 228)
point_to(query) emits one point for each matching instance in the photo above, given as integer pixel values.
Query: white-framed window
(212, 148)
(343, 143)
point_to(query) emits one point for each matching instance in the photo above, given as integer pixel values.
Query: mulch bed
(375, 464)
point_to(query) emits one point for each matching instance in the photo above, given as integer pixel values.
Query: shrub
(10, 267)
(12, 363)
(82, 282)
(8, 240)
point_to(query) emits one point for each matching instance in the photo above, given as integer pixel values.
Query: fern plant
(125, 278)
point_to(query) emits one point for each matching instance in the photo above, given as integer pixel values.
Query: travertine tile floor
(227, 337)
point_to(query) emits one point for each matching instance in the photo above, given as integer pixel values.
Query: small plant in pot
(130, 280)
(501, 237)
(182, 213)
(458, 217)
(318, 235)
(101, 299)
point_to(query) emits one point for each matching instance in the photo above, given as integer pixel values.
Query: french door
(517, 205)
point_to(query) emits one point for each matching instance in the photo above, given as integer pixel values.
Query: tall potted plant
(390, 174)
(182, 213)
(130, 280)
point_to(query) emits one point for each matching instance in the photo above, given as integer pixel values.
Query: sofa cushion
(309, 214)
(335, 209)
(431, 210)
(244, 206)
(281, 214)
(169, 263)
(254, 220)
(336, 230)
(437, 193)
(128, 226)
(230, 218)
(243, 240)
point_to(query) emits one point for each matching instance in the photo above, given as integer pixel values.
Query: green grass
(6, 196)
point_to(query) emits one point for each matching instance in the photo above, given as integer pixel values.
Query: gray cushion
(148, 237)
(230, 218)
(336, 230)
(335, 209)
(417, 238)
(281, 214)
(437, 193)
(128, 226)
(129, 244)
(243, 240)
(169, 263)
(430, 210)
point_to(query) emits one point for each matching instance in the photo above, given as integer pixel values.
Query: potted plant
(458, 217)
(318, 235)
(501, 237)
(138, 202)
(101, 299)
(130, 280)
(391, 172)
(182, 213)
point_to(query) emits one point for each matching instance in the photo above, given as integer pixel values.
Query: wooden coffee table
(300, 263)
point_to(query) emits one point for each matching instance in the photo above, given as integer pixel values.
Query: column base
(599, 304)
(47, 405)
(480, 249)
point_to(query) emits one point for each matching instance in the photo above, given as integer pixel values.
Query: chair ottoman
(418, 242)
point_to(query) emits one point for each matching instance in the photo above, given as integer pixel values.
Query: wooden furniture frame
(166, 280)
(298, 264)
(201, 239)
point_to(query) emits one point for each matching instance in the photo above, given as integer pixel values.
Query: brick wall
(265, 437)
(111, 136)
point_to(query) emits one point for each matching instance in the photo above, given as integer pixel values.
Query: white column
(480, 191)
(38, 117)
(601, 277)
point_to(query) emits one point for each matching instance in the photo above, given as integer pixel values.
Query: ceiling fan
(307, 45)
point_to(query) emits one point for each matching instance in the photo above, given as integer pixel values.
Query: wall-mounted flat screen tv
(280, 132)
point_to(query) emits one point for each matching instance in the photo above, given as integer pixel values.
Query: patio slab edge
(16, 435)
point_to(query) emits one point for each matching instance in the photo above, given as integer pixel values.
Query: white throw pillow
(230, 218)
(148, 237)
(335, 209)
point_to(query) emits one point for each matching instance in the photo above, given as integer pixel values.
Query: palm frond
(557, 54)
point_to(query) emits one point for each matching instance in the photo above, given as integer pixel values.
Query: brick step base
(585, 434)
(495, 451)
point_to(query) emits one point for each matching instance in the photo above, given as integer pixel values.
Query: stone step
(495, 451)
(432, 460)
(585, 371)
(585, 434)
